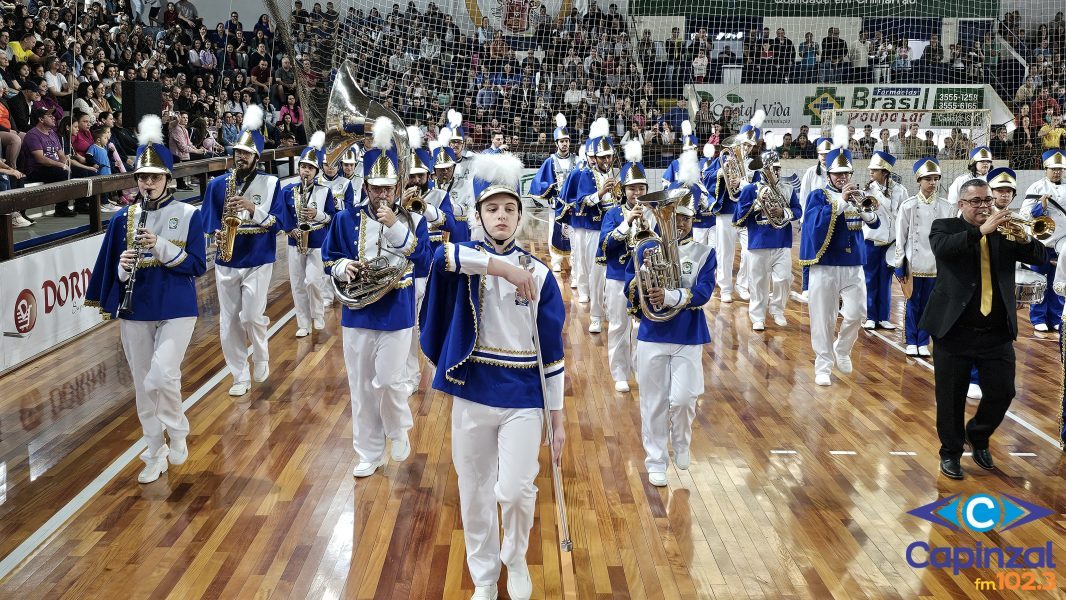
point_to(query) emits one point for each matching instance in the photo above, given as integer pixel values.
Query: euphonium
(231, 220)
(732, 160)
(770, 195)
(660, 264)
(375, 278)
(303, 225)
(1018, 229)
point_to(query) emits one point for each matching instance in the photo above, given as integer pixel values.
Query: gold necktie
(986, 278)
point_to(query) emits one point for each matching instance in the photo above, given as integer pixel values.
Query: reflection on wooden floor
(795, 491)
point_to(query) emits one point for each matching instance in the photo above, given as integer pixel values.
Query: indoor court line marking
(897, 453)
(52, 525)
(782, 452)
(842, 452)
(1010, 414)
(1022, 453)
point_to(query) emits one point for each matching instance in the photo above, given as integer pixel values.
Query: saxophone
(302, 224)
(231, 220)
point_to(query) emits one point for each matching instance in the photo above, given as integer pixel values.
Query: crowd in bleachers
(61, 79)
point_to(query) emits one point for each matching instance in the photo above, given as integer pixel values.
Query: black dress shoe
(983, 458)
(65, 212)
(951, 467)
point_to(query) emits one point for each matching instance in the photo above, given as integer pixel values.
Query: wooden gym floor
(795, 491)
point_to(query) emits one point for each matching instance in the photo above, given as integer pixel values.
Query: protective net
(510, 65)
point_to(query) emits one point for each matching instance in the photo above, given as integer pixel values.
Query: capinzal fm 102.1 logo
(980, 513)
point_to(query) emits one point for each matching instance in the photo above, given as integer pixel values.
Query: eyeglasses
(979, 202)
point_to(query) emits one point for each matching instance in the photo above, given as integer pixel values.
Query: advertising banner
(789, 106)
(43, 299)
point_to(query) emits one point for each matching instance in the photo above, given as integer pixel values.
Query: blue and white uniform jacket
(322, 200)
(343, 190)
(257, 235)
(762, 235)
(832, 231)
(689, 326)
(583, 205)
(166, 273)
(478, 333)
(355, 235)
(888, 202)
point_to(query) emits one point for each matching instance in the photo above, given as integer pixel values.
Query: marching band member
(461, 192)
(979, 166)
(914, 256)
(145, 275)
(813, 179)
(770, 247)
(439, 193)
(972, 319)
(1048, 314)
(589, 192)
(669, 355)
(890, 196)
(351, 168)
(308, 208)
(244, 279)
(704, 223)
(344, 184)
(547, 184)
(338, 182)
(703, 226)
(420, 164)
(745, 141)
(477, 328)
(377, 336)
(832, 245)
(1004, 185)
(615, 251)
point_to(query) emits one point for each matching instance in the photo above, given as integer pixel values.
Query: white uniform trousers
(621, 337)
(832, 290)
(413, 371)
(496, 456)
(154, 350)
(670, 377)
(376, 370)
(708, 236)
(305, 279)
(580, 262)
(728, 235)
(771, 277)
(242, 299)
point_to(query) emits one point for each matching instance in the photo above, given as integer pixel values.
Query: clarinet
(127, 299)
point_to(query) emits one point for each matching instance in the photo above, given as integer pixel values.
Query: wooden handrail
(94, 187)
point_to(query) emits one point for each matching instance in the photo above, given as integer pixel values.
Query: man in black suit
(973, 321)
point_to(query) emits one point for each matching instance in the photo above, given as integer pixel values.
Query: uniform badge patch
(173, 222)
(257, 199)
(686, 268)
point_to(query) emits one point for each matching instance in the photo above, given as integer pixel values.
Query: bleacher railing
(95, 188)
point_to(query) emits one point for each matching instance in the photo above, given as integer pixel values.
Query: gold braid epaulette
(828, 235)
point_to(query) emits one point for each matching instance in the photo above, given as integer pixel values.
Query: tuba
(770, 195)
(231, 220)
(350, 116)
(660, 263)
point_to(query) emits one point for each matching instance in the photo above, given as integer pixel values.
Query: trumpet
(639, 229)
(1019, 229)
(867, 202)
(414, 203)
